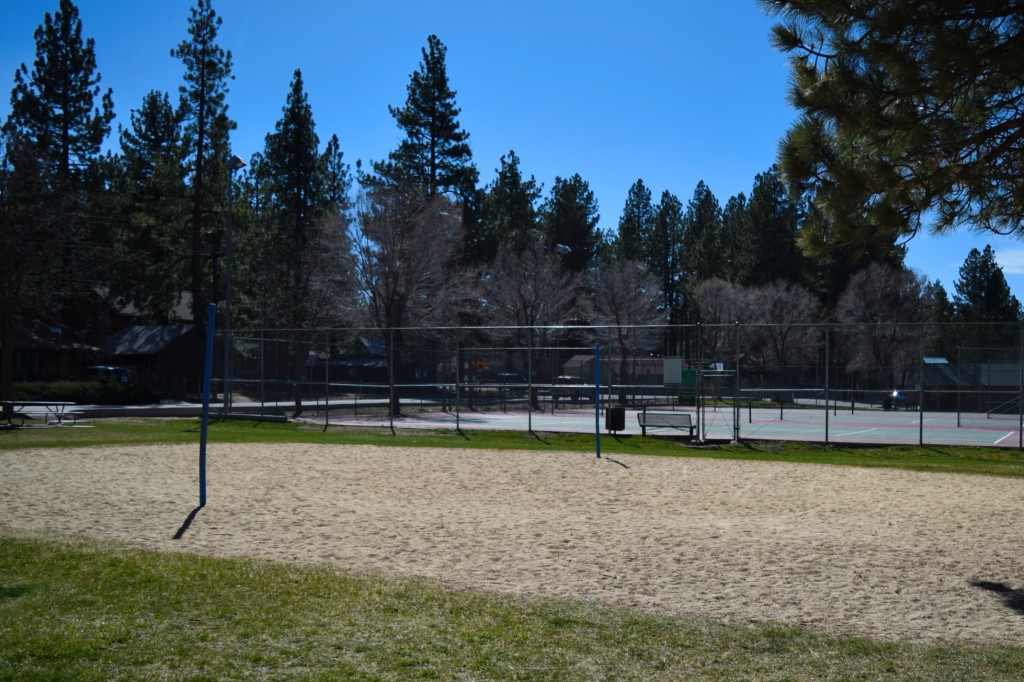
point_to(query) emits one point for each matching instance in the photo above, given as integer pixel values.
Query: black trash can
(615, 418)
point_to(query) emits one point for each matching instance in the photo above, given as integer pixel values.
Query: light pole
(234, 163)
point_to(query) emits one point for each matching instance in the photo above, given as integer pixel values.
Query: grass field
(75, 609)
(952, 459)
(85, 611)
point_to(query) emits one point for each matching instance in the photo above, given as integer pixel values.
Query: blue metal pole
(597, 399)
(211, 320)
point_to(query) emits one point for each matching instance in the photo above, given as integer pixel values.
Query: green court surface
(869, 426)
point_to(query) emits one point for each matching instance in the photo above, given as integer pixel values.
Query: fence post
(958, 384)
(458, 381)
(698, 399)
(920, 398)
(529, 380)
(597, 399)
(827, 385)
(327, 381)
(736, 398)
(391, 379)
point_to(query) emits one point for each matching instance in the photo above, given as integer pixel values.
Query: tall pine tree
(304, 261)
(149, 271)
(58, 121)
(983, 296)
(736, 228)
(635, 224)
(510, 216)
(703, 257)
(771, 243)
(434, 156)
(664, 259)
(204, 112)
(58, 106)
(570, 216)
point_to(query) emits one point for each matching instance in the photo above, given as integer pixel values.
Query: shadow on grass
(12, 592)
(628, 441)
(1014, 599)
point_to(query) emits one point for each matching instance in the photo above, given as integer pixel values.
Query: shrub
(85, 392)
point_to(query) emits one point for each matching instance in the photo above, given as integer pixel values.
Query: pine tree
(58, 106)
(149, 272)
(204, 113)
(703, 256)
(911, 113)
(774, 253)
(435, 155)
(338, 177)
(510, 216)
(946, 338)
(635, 224)
(664, 258)
(303, 202)
(58, 121)
(983, 297)
(736, 232)
(570, 216)
(304, 261)
(294, 171)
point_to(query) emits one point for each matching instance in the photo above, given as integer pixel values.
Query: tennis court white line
(854, 433)
(1011, 433)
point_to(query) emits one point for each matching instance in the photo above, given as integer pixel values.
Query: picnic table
(50, 412)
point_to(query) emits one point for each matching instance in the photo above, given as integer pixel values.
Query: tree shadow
(12, 592)
(536, 435)
(1013, 599)
(188, 522)
(626, 440)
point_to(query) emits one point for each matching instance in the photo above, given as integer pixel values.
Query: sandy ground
(884, 554)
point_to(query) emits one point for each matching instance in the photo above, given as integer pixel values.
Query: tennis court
(838, 425)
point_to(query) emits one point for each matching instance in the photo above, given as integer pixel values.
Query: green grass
(72, 610)
(953, 459)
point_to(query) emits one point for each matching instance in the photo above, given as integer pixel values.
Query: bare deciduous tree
(719, 303)
(884, 308)
(625, 302)
(785, 311)
(528, 289)
(406, 264)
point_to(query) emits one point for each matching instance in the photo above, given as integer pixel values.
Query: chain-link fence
(965, 374)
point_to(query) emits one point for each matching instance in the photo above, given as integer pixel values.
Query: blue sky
(671, 91)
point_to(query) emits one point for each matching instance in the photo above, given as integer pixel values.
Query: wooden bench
(665, 420)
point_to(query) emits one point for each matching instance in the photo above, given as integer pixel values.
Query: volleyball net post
(211, 320)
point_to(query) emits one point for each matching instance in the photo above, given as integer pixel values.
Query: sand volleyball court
(878, 553)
